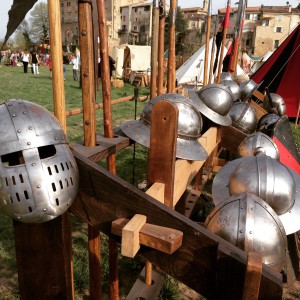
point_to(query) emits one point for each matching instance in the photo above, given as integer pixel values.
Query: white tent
(118, 56)
(194, 66)
(257, 64)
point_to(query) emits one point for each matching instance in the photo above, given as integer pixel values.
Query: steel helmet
(250, 224)
(226, 76)
(258, 143)
(268, 179)
(243, 117)
(234, 87)
(274, 104)
(267, 123)
(38, 171)
(247, 88)
(189, 127)
(214, 101)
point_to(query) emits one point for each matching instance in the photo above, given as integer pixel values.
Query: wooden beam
(231, 138)
(104, 197)
(164, 239)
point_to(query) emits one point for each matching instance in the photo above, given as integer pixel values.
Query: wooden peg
(130, 235)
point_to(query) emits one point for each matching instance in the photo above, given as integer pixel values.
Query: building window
(68, 3)
(252, 17)
(135, 28)
(146, 8)
(124, 18)
(265, 22)
(136, 10)
(276, 44)
(124, 27)
(279, 17)
(62, 4)
(279, 29)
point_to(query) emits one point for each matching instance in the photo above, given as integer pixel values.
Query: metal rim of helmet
(251, 219)
(220, 191)
(234, 87)
(243, 117)
(226, 76)
(42, 182)
(253, 143)
(187, 145)
(248, 87)
(274, 105)
(225, 119)
(267, 122)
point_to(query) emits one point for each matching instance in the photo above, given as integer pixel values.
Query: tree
(181, 26)
(22, 35)
(39, 23)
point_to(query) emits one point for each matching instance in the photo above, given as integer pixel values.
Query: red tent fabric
(281, 72)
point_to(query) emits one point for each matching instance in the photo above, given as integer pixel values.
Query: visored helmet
(258, 143)
(247, 88)
(234, 87)
(189, 127)
(268, 179)
(267, 123)
(243, 117)
(274, 104)
(214, 101)
(250, 224)
(39, 176)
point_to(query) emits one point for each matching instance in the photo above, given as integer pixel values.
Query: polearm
(238, 32)
(211, 65)
(171, 54)
(225, 27)
(108, 132)
(208, 24)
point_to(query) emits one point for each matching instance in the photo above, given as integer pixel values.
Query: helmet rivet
(56, 138)
(241, 231)
(24, 112)
(68, 203)
(242, 207)
(28, 143)
(44, 209)
(13, 115)
(38, 186)
(30, 127)
(250, 232)
(19, 130)
(33, 164)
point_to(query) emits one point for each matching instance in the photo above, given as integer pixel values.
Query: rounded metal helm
(258, 143)
(268, 179)
(247, 88)
(226, 76)
(189, 127)
(38, 172)
(250, 224)
(214, 101)
(234, 87)
(274, 104)
(243, 117)
(266, 123)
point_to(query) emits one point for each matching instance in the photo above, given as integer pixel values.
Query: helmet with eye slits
(274, 104)
(39, 176)
(189, 127)
(267, 123)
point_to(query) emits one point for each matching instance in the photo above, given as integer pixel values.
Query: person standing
(25, 60)
(74, 62)
(35, 62)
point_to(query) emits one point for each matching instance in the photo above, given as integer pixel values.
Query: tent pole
(208, 24)
(297, 117)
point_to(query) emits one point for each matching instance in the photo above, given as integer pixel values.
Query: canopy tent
(194, 66)
(118, 56)
(280, 73)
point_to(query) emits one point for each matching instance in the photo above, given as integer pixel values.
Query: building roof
(257, 9)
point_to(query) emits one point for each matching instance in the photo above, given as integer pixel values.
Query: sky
(216, 4)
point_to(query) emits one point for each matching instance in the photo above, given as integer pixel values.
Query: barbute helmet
(274, 104)
(247, 88)
(39, 176)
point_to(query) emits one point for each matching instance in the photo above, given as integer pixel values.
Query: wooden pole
(89, 121)
(154, 47)
(160, 59)
(108, 132)
(225, 26)
(297, 117)
(211, 65)
(208, 24)
(171, 54)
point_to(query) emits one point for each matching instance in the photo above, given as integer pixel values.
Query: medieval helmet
(189, 127)
(258, 143)
(267, 123)
(214, 101)
(234, 87)
(243, 117)
(250, 224)
(226, 76)
(247, 88)
(268, 179)
(38, 171)
(274, 104)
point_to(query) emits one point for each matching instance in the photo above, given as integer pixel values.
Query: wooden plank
(105, 147)
(258, 95)
(140, 290)
(185, 170)
(253, 276)
(104, 197)
(231, 138)
(130, 244)
(260, 111)
(164, 239)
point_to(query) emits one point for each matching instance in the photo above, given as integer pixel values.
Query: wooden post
(154, 47)
(108, 132)
(211, 65)
(171, 55)
(208, 23)
(160, 59)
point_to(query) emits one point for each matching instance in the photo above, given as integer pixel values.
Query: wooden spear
(208, 24)
(171, 52)
(211, 65)
(108, 132)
